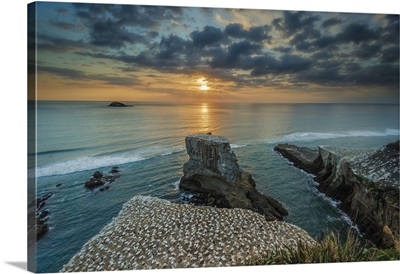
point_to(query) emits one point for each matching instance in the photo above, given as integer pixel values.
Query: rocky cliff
(365, 181)
(213, 172)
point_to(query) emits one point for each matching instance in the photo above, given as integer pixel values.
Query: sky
(185, 54)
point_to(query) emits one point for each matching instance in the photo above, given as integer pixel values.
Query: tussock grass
(330, 250)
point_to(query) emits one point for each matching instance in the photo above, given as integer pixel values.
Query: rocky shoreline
(365, 181)
(234, 225)
(151, 233)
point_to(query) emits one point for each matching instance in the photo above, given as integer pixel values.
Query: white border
(14, 133)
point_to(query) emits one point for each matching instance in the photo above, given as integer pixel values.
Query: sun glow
(203, 84)
(204, 87)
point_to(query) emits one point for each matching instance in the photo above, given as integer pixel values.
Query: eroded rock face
(211, 156)
(213, 172)
(365, 181)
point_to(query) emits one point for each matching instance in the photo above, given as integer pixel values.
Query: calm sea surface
(146, 142)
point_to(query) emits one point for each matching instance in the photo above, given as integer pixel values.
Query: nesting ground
(150, 233)
(378, 165)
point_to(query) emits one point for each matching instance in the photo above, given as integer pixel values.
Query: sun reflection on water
(204, 118)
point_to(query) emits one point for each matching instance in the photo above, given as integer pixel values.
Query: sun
(204, 87)
(203, 84)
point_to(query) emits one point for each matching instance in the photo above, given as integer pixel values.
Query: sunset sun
(204, 87)
(203, 84)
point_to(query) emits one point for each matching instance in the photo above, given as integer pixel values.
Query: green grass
(329, 250)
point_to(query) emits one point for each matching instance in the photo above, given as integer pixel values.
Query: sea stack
(213, 173)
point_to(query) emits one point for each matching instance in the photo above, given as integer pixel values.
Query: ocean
(147, 143)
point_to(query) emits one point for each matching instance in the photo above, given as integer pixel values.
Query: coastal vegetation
(331, 249)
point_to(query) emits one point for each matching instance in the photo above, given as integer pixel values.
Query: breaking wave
(237, 146)
(311, 136)
(92, 162)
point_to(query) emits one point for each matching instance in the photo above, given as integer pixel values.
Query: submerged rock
(213, 171)
(365, 181)
(99, 180)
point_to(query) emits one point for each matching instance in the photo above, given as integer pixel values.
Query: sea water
(147, 143)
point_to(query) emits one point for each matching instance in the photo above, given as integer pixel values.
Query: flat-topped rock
(150, 233)
(213, 172)
(210, 155)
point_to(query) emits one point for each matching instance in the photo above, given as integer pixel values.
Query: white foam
(94, 162)
(237, 146)
(176, 184)
(85, 163)
(310, 136)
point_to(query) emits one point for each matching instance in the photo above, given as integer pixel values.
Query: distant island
(118, 104)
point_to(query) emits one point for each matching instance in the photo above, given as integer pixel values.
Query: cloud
(357, 33)
(57, 44)
(390, 32)
(62, 10)
(173, 47)
(111, 34)
(331, 22)
(295, 22)
(233, 55)
(255, 33)
(378, 74)
(80, 75)
(390, 54)
(208, 36)
(63, 72)
(63, 25)
(116, 26)
(296, 49)
(367, 51)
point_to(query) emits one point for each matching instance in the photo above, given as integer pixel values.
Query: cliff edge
(366, 181)
(213, 172)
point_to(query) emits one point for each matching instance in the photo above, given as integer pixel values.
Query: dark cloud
(353, 74)
(63, 72)
(331, 22)
(379, 74)
(63, 25)
(127, 15)
(301, 51)
(390, 32)
(283, 49)
(302, 43)
(294, 22)
(111, 34)
(256, 34)
(56, 44)
(234, 53)
(286, 64)
(357, 33)
(63, 10)
(390, 55)
(80, 75)
(115, 26)
(325, 76)
(173, 47)
(367, 51)
(208, 36)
